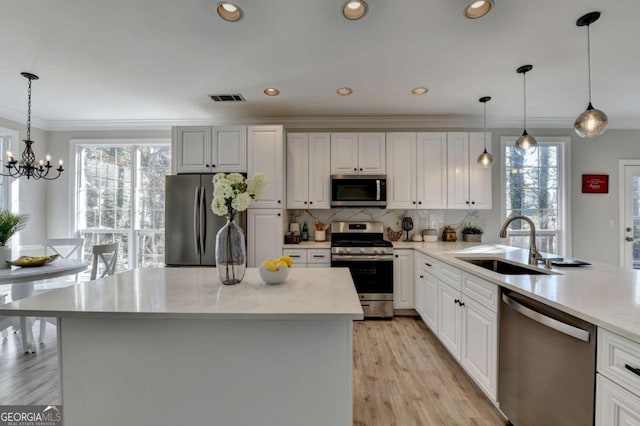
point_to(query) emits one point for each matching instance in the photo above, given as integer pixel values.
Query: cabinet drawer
(430, 265)
(619, 360)
(299, 256)
(450, 275)
(481, 291)
(315, 256)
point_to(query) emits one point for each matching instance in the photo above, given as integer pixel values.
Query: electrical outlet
(397, 222)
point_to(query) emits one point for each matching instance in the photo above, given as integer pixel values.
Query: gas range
(360, 247)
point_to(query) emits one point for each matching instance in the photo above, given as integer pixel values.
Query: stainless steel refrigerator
(190, 225)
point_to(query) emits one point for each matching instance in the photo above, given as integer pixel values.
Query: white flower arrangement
(233, 193)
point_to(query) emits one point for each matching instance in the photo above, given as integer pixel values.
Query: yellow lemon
(287, 260)
(273, 269)
(268, 263)
(282, 263)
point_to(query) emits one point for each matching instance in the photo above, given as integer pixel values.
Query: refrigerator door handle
(196, 211)
(203, 221)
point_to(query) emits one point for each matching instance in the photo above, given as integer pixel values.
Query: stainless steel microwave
(358, 191)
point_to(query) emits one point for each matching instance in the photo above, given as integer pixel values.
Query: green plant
(10, 224)
(472, 229)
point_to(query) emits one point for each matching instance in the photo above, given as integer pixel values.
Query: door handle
(629, 239)
(203, 221)
(632, 369)
(196, 210)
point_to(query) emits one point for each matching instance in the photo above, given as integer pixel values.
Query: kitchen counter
(605, 295)
(159, 343)
(309, 245)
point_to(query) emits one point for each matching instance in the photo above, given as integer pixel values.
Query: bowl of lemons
(275, 271)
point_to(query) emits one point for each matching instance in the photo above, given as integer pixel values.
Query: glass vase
(231, 252)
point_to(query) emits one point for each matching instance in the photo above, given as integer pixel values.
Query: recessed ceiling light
(344, 91)
(478, 8)
(229, 11)
(354, 9)
(270, 91)
(419, 90)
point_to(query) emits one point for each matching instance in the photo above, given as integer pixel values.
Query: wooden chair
(105, 255)
(66, 248)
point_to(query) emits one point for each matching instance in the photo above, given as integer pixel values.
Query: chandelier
(27, 165)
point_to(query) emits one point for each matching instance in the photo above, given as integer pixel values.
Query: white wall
(32, 193)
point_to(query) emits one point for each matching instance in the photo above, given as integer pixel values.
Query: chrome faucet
(534, 254)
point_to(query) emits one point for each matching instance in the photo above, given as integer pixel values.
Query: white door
(192, 147)
(431, 170)
(401, 170)
(479, 345)
(319, 170)
(344, 153)
(264, 235)
(229, 149)
(430, 301)
(615, 406)
(630, 235)
(297, 170)
(403, 274)
(479, 176)
(458, 170)
(449, 318)
(371, 154)
(266, 151)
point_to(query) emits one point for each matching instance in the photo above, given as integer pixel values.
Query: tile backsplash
(422, 219)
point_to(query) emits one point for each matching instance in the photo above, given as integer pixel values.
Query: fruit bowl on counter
(275, 271)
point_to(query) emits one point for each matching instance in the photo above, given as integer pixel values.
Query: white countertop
(605, 295)
(309, 245)
(195, 293)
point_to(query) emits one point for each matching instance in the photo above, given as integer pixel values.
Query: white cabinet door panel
(297, 170)
(266, 152)
(479, 177)
(401, 170)
(403, 279)
(479, 345)
(371, 154)
(193, 149)
(449, 318)
(319, 170)
(431, 170)
(615, 406)
(229, 149)
(430, 301)
(458, 170)
(264, 235)
(344, 153)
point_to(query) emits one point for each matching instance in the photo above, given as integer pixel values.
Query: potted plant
(10, 223)
(472, 233)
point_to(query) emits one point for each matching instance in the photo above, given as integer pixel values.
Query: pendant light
(592, 122)
(485, 159)
(525, 144)
(27, 166)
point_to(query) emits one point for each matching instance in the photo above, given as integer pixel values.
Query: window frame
(75, 170)
(564, 186)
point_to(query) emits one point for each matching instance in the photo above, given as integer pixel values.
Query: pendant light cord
(29, 114)
(524, 77)
(589, 58)
(485, 127)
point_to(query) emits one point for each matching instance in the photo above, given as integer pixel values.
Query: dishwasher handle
(560, 326)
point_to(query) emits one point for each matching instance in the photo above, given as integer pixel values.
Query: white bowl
(276, 277)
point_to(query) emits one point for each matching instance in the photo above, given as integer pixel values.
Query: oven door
(358, 191)
(370, 276)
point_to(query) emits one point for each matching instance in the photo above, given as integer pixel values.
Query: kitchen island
(166, 346)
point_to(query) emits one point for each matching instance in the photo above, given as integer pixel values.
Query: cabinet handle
(305, 202)
(473, 202)
(318, 256)
(421, 276)
(396, 255)
(206, 165)
(461, 303)
(294, 256)
(279, 214)
(310, 202)
(360, 168)
(213, 165)
(355, 169)
(413, 202)
(456, 301)
(279, 201)
(633, 370)
(420, 202)
(466, 202)
(428, 264)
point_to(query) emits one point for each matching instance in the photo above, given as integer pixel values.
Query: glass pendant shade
(591, 123)
(526, 144)
(485, 159)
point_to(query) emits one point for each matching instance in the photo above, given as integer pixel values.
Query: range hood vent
(228, 98)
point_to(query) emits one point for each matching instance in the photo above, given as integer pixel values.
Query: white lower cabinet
(449, 318)
(403, 279)
(615, 406)
(265, 228)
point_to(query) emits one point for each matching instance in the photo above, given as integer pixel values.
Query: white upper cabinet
(265, 146)
(401, 170)
(358, 153)
(416, 170)
(469, 184)
(308, 170)
(371, 154)
(205, 149)
(431, 170)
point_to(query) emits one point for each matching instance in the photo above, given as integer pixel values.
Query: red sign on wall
(595, 184)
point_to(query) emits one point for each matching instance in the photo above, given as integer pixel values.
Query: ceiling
(155, 62)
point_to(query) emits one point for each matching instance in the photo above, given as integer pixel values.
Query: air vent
(228, 98)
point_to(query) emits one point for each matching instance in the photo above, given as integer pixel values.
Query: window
(120, 197)
(534, 187)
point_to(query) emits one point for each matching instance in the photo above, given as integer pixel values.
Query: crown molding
(328, 122)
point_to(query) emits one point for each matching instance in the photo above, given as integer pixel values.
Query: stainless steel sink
(502, 267)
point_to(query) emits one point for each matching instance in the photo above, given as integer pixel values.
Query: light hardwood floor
(402, 376)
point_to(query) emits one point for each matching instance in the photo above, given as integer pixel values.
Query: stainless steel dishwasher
(547, 364)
